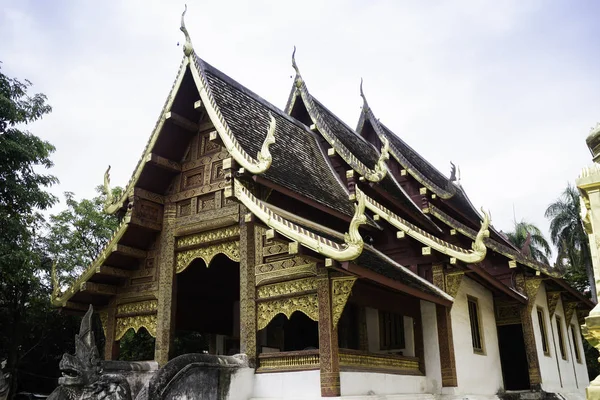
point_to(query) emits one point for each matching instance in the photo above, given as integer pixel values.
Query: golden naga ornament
(478, 249)
(110, 205)
(263, 158)
(378, 172)
(349, 250)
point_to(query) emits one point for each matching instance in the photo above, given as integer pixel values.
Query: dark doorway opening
(513, 358)
(294, 334)
(207, 318)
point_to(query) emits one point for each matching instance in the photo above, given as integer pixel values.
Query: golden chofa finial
(362, 94)
(187, 47)
(295, 66)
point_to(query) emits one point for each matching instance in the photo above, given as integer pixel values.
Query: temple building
(339, 260)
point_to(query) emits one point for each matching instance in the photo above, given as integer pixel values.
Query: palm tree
(569, 236)
(530, 240)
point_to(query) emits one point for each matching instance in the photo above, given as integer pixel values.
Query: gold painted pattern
(341, 289)
(378, 362)
(289, 362)
(230, 249)
(207, 237)
(286, 288)
(138, 307)
(267, 310)
(135, 323)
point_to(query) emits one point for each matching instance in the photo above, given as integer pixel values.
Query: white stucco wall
(288, 385)
(433, 369)
(580, 367)
(558, 375)
(478, 374)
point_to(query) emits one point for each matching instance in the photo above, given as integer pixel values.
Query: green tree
(23, 193)
(568, 235)
(78, 234)
(529, 239)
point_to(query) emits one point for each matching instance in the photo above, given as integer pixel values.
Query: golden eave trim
(380, 169)
(111, 205)
(263, 158)
(349, 250)
(492, 244)
(444, 193)
(477, 254)
(60, 299)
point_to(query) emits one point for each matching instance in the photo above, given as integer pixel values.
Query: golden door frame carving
(136, 322)
(267, 310)
(230, 249)
(341, 288)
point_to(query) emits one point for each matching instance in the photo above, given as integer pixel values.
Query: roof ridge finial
(298, 78)
(362, 94)
(187, 47)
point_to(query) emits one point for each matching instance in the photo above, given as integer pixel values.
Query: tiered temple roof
(325, 168)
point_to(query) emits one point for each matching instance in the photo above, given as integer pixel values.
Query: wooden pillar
(248, 254)
(165, 326)
(111, 346)
(446, 344)
(530, 287)
(363, 335)
(328, 341)
(450, 284)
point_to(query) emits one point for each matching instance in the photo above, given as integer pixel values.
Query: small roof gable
(354, 149)
(298, 161)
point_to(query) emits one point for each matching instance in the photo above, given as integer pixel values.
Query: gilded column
(111, 346)
(248, 241)
(530, 287)
(166, 287)
(328, 340)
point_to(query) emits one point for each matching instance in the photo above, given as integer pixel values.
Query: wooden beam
(144, 223)
(164, 163)
(129, 251)
(150, 196)
(393, 284)
(182, 122)
(98, 288)
(112, 271)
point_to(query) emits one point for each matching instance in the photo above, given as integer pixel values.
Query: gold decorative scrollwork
(135, 323)
(138, 307)
(210, 236)
(103, 319)
(289, 287)
(230, 249)
(453, 283)
(552, 298)
(267, 310)
(341, 288)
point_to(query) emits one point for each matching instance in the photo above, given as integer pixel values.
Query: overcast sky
(508, 90)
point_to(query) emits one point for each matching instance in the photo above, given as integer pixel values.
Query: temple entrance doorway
(513, 358)
(207, 317)
(295, 334)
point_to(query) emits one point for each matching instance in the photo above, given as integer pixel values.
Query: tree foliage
(25, 337)
(78, 234)
(569, 236)
(538, 246)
